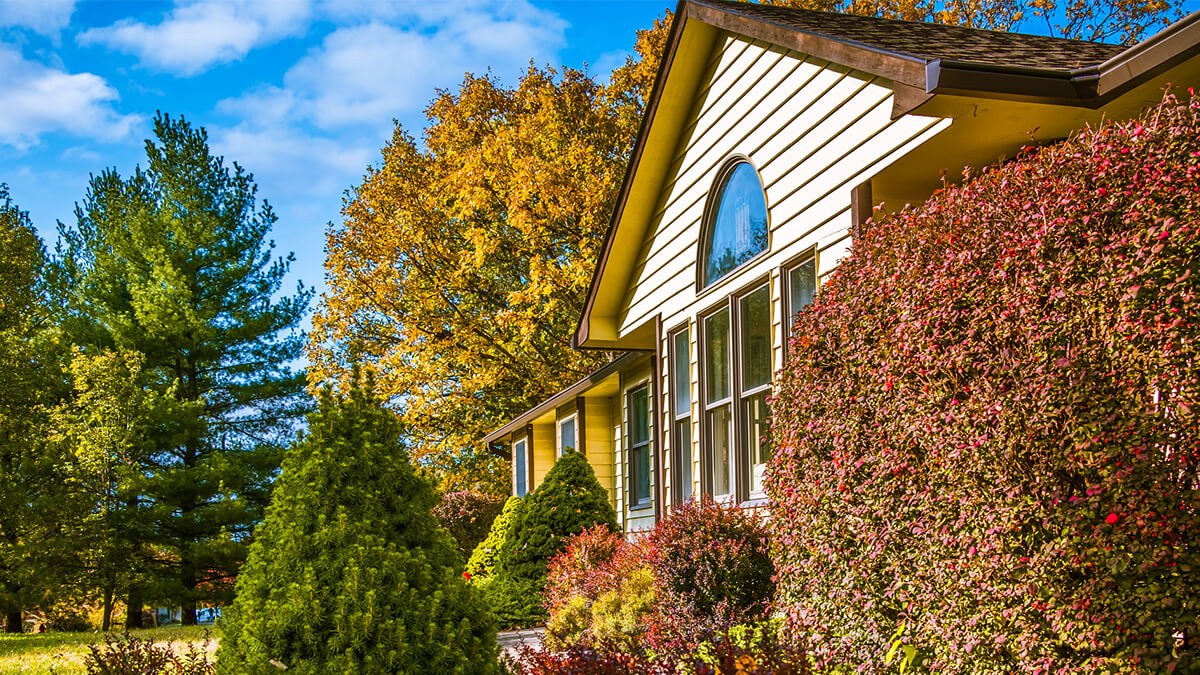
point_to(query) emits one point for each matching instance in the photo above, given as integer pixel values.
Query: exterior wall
(543, 451)
(814, 130)
(597, 442)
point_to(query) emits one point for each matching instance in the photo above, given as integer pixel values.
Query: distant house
(771, 131)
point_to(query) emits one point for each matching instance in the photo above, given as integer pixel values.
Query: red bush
(467, 516)
(584, 567)
(712, 570)
(986, 430)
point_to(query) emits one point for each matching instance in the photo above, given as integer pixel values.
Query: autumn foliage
(986, 430)
(461, 266)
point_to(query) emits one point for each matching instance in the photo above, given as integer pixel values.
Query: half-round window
(737, 222)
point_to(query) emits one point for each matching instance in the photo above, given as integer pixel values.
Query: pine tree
(482, 563)
(173, 263)
(349, 572)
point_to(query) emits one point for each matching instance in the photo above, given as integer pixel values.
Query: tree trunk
(133, 609)
(188, 577)
(13, 621)
(106, 618)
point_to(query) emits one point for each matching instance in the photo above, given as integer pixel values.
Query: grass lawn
(64, 652)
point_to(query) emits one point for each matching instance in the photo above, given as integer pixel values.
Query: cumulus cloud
(38, 99)
(389, 65)
(47, 17)
(201, 33)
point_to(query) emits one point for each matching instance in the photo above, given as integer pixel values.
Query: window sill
(642, 506)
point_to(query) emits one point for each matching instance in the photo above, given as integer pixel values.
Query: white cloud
(47, 17)
(36, 99)
(199, 34)
(372, 72)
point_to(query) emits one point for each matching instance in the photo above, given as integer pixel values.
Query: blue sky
(302, 93)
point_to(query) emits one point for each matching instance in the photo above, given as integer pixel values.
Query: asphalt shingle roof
(931, 41)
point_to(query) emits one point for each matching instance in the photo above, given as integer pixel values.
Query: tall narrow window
(639, 446)
(681, 415)
(801, 287)
(736, 225)
(520, 467)
(567, 441)
(754, 321)
(718, 401)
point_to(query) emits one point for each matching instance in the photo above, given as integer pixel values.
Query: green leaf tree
(349, 572)
(173, 262)
(110, 427)
(30, 382)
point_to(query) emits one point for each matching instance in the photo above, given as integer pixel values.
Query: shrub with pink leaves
(987, 442)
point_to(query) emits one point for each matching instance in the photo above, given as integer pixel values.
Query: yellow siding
(543, 451)
(813, 129)
(598, 443)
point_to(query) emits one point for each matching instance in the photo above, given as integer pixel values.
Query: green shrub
(349, 572)
(468, 517)
(569, 500)
(482, 563)
(987, 431)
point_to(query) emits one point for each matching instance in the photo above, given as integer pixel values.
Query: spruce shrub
(987, 450)
(349, 572)
(569, 500)
(482, 564)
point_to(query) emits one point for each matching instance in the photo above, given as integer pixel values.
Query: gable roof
(923, 61)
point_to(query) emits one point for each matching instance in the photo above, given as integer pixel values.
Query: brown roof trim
(639, 144)
(561, 397)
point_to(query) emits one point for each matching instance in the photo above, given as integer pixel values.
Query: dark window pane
(755, 319)
(683, 457)
(802, 286)
(641, 490)
(739, 227)
(639, 416)
(757, 440)
(566, 435)
(520, 470)
(681, 367)
(719, 431)
(716, 356)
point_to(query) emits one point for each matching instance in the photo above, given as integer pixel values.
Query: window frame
(812, 254)
(573, 418)
(681, 452)
(741, 464)
(634, 501)
(524, 454)
(708, 222)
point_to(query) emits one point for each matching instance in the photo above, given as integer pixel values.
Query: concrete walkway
(510, 640)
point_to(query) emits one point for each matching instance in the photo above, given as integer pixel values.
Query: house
(770, 133)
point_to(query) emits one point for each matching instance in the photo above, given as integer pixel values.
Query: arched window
(736, 228)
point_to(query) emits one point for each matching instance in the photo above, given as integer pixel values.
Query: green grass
(64, 652)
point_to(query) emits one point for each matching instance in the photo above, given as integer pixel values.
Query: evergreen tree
(30, 489)
(482, 563)
(173, 262)
(349, 572)
(568, 501)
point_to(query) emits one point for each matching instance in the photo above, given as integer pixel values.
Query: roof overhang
(581, 388)
(917, 83)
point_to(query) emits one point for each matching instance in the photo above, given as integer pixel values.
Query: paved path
(510, 640)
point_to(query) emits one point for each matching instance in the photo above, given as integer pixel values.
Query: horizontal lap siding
(598, 443)
(814, 131)
(543, 452)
